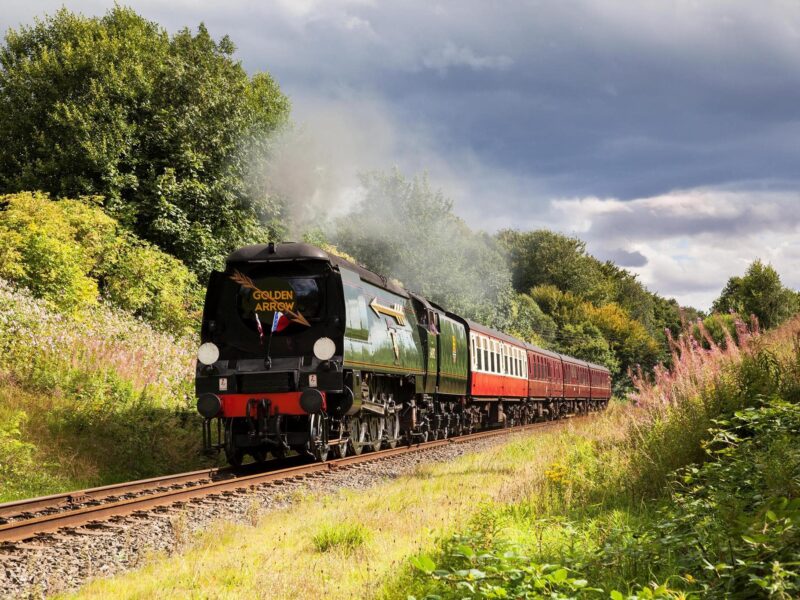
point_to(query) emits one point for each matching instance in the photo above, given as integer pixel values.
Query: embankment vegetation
(89, 399)
(95, 362)
(691, 491)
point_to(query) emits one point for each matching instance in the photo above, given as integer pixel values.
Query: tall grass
(45, 348)
(89, 399)
(345, 538)
(673, 411)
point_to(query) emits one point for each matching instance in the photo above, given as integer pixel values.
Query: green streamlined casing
(381, 329)
(453, 356)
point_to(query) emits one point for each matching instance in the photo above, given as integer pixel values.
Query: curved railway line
(25, 519)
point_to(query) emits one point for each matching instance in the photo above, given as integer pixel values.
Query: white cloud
(693, 240)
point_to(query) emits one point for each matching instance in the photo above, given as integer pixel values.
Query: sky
(666, 134)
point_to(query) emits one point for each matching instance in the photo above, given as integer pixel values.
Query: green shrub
(732, 522)
(73, 255)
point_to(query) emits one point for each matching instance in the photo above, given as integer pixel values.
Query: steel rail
(18, 509)
(55, 501)
(16, 531)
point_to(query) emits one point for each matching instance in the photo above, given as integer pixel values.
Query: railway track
(25, 519)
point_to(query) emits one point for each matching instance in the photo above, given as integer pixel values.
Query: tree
(758, 292)
(529, 323)
(72, 254)
(405, 229)
(627, 337)
(548, 258)
(165, 129)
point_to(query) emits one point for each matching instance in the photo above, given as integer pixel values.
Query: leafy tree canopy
(73, 254)
(166, 129)
(548, 258)
(758, 292)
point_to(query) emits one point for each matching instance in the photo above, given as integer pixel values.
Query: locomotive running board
(377, 408)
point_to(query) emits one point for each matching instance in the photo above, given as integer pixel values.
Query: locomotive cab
(269, 369)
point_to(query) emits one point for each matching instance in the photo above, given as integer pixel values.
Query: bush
(731, 522)
(89, 400)
(72, 254)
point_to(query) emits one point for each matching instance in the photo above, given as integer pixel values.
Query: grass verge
(345, 545)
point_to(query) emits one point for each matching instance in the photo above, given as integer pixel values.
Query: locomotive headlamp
(324, 348)
(208, 353)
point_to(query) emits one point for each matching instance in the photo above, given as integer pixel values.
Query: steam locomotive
(303, 350)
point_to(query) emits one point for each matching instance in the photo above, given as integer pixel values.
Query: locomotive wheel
(376, 426)
(259, 455)
(321, 452)
(317, 444)
(393, 430)
(339, 450)
(358, 434)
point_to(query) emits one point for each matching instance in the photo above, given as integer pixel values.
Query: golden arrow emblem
(395, 310)
(248, 283)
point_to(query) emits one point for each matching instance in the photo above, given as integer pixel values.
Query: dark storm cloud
(623, 258)
(594, 98)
